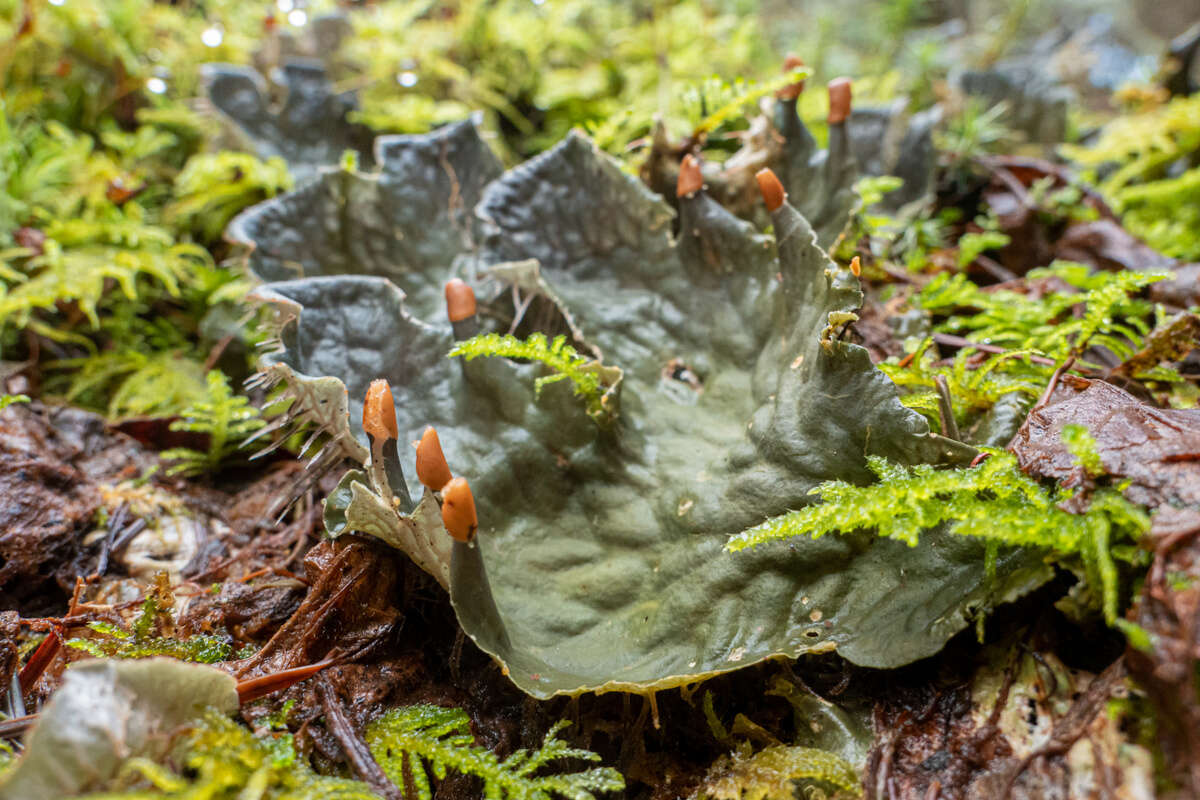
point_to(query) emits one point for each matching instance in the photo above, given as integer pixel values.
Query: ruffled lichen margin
(600, 561)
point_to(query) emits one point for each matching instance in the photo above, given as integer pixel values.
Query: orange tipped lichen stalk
(839, 100)
(792, 90)
(772, 190)
(856, 266)
(458, 510)
(460, 308)
(379, 412)
(690, 179)
(432, 469)
(379, 422)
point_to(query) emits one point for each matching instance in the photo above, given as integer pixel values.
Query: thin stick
(946, 409)
(352, 744)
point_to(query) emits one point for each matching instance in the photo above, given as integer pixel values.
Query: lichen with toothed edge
(738, 398)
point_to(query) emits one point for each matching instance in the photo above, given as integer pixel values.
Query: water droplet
(212, 37)
(285, 5)
(157, 85)
(407, 79)
(298, 18)
(538, 2)
(57, 2)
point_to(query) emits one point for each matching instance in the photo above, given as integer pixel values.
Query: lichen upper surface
(603, 545)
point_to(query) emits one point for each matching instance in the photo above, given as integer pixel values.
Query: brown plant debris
(1167, 660)
(1156, 450)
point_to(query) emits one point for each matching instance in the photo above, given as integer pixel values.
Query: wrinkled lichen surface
(599, 563)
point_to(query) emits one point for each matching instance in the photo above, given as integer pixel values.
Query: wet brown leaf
(351, 607)
(1104, 244)
(1156, 450)
(1022, 729)
(1167, 343)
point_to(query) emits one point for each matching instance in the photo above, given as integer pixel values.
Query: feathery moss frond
(1080, 444)
(227, 419)
(1157, 205)
(227, 761)
(1044, 326)
(559, 356)
(134, 383)
(993, 501)
(213, 187)
(423, 740)
(1112, 317)
(140, 642)
(974, 387)
(731, 99)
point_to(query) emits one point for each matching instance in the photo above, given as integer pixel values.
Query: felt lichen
(418, 741)
(719, 331)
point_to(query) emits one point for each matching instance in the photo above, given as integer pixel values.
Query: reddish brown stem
(41, 658)
(254, 688)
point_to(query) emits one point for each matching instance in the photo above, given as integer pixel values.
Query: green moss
(592, 383)
(222, 760)
(1080, 443)
(1141, 153)
(993, 501)
(140, 641)
(213, 187)
(774, 773)
(421, 740)
(226, 419)
(1045, 327)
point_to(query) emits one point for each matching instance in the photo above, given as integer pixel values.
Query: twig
(114, 524)
(995, 269)
(16, 701)
(41, 658)
(254, 688)
(946, 409)
(126, 536)
(11, 728)
(1074, 724)
(352, 744)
